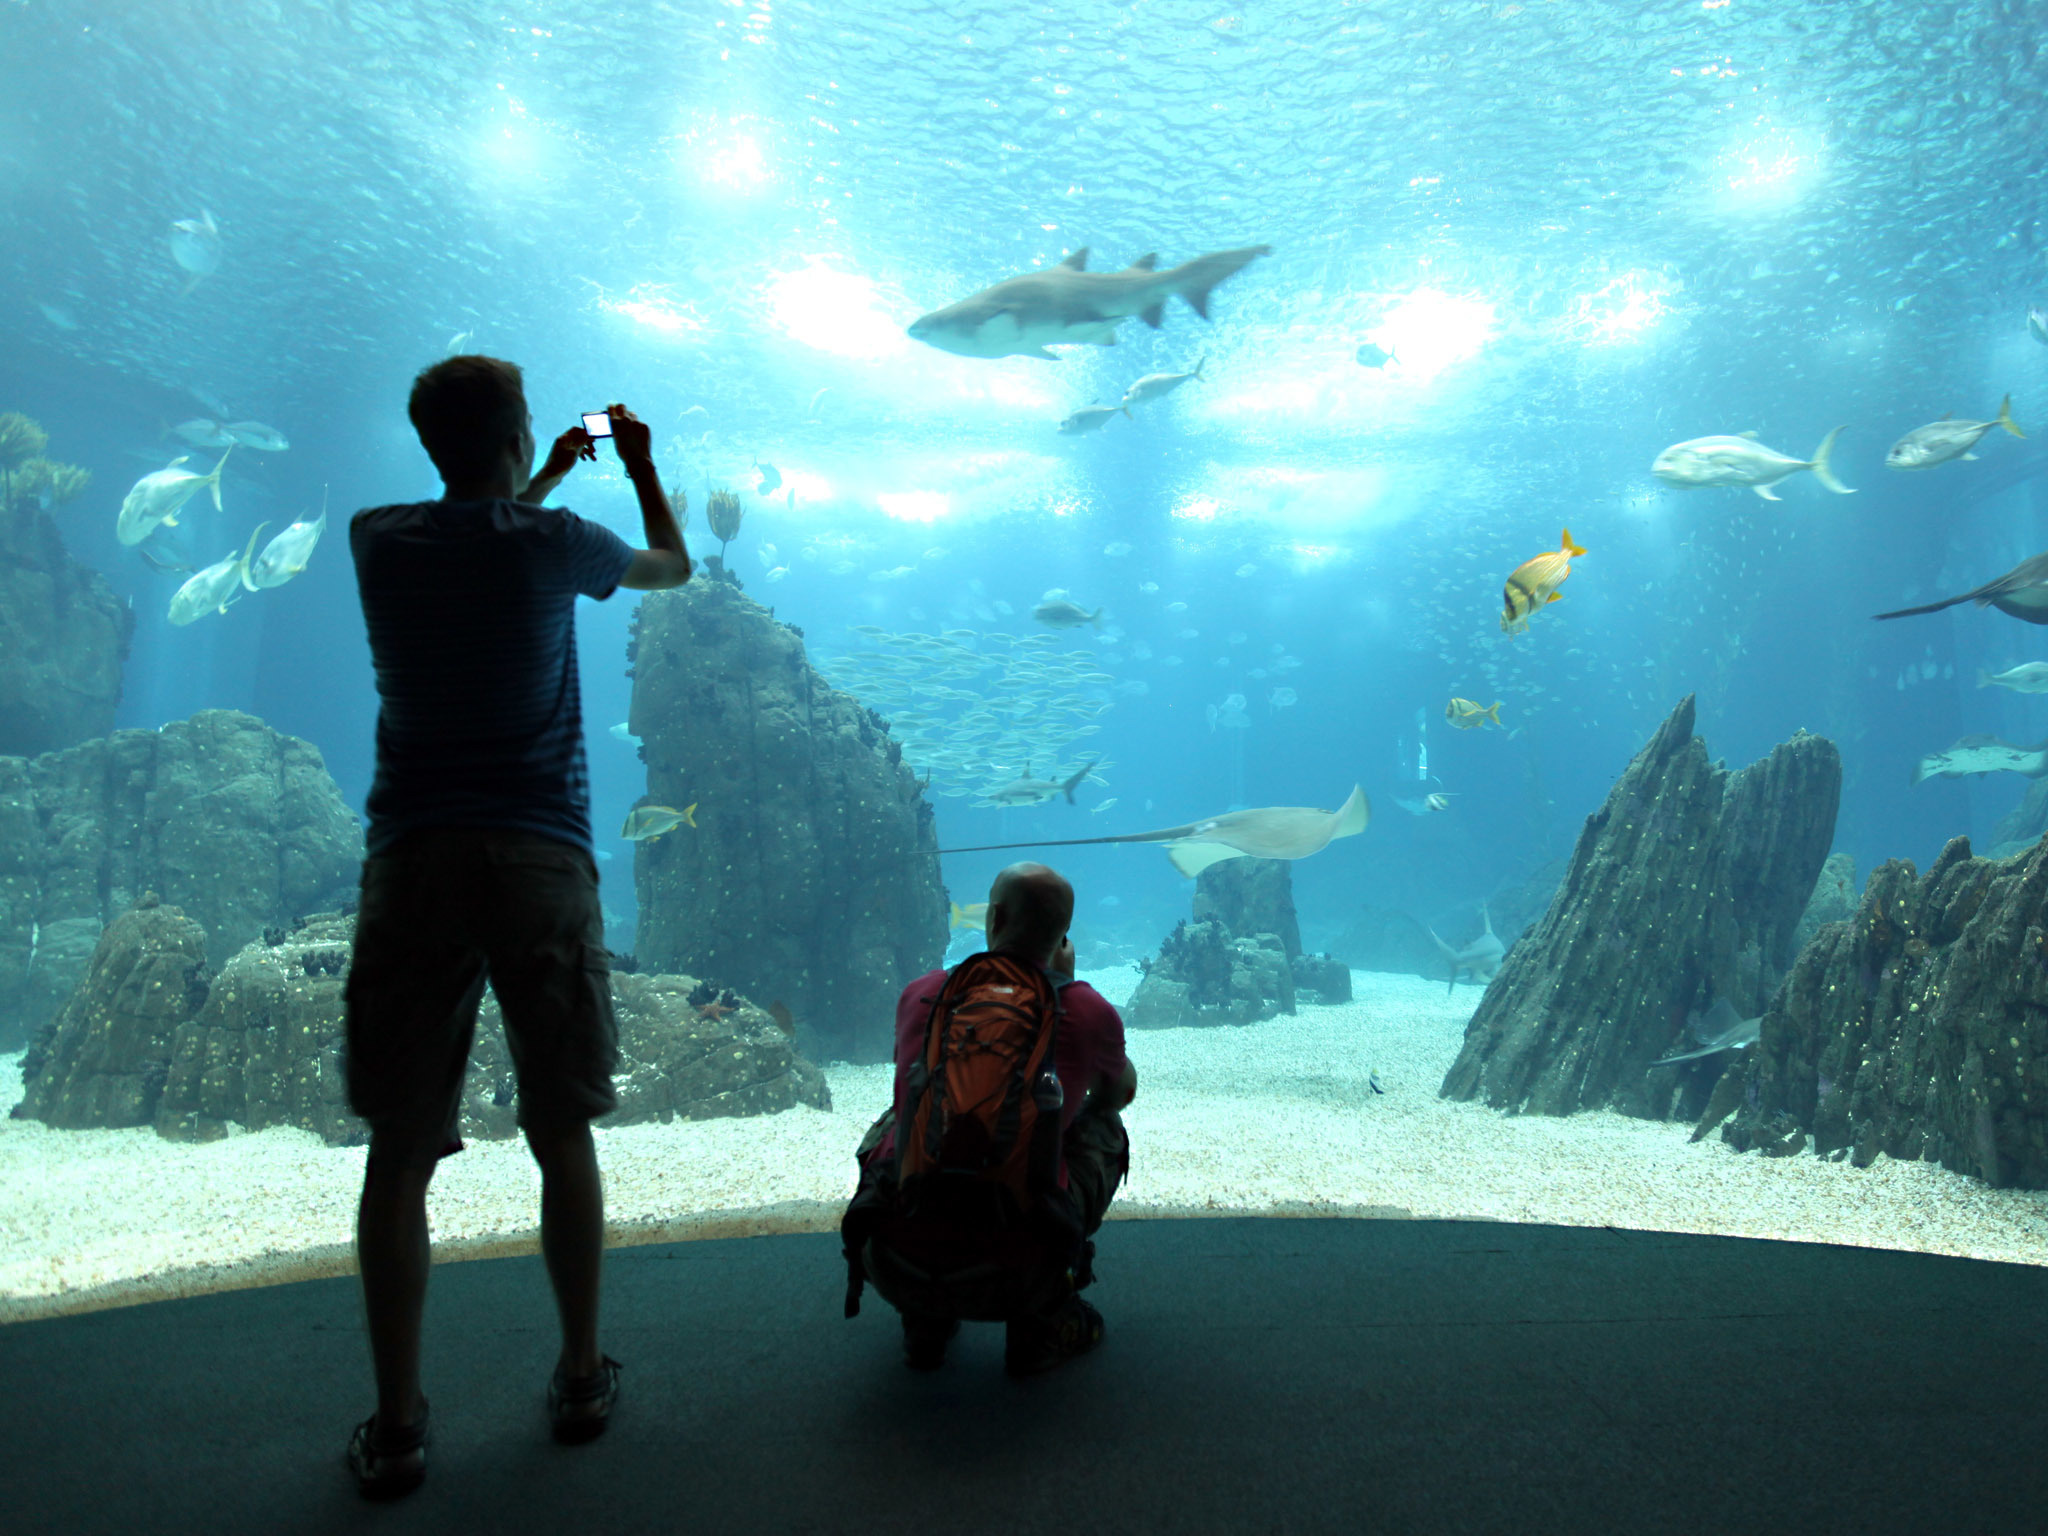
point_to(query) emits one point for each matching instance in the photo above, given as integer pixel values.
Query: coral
(21, 438)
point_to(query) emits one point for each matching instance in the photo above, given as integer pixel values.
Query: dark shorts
(444, 911)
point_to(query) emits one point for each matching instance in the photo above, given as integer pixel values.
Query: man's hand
(631, 436)
(572, 445)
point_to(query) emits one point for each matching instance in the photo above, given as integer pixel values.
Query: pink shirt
(1088, 1047)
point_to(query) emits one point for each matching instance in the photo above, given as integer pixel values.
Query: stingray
(2021, 592)
(1267, 832)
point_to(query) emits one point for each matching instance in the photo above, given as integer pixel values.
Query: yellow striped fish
(1535, 583)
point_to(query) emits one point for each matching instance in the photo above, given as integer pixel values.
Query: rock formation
(104, 1060)
(1205, 976)
(235, 823)
(147, 1041)
(64, 635)
(1239, 960)
(1687, 886)
(811, 878)
(1918, 1028)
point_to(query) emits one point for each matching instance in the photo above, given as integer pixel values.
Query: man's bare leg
(572, 1237)
(394, 1256)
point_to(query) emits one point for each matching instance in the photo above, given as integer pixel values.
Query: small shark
(1030, 791)
(1068, 305)
(1481, 957)
(2021, 592)
(1720, 1028)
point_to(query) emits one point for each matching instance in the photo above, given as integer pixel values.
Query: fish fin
(169, 522)
(1822, 472)
(1192, 858)
(1983, 678)
(1493, 714)
(1750, 435)
(1153, 314)
(1198, 364)
(215, 477)
(1050, 357)
(1078, 260)
(690, 814)
(1555, 597)
(1146, 262)
(1571, 546)
(1971, 457)
(1127, 411)
(242, 566)
(1766, 492)
(2004, 417)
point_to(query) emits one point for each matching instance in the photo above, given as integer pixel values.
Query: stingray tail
(1946, 602)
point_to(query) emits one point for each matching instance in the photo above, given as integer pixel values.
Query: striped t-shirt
(471, 612)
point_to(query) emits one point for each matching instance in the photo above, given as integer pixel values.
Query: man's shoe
(1035, 1344)
(925, 1340)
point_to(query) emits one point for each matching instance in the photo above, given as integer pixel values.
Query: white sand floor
(1275, 1118)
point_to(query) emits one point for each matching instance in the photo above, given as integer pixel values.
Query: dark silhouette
(982, 1184)
(2021, 592)
(480, 867)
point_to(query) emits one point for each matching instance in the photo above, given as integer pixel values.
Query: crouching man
(981, 1186)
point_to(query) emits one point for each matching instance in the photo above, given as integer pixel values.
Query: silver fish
(1029, 791)
(196, 246)
(1064, 613)
(286, 555)
(1090, 419)
(2027, 677)
(204, 432)
(1719, 1029)
(2037, 323)
(211, 590)
(156, 498)
(1948, 438)
(1153, 385)
(1068, 305)
(254, 434)
(1982, 754)
(1742, 461)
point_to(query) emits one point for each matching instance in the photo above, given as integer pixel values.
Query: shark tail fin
(1153, 314)
(2004, 417)
(1076, 779)
(1195, 280)
(1822, 472)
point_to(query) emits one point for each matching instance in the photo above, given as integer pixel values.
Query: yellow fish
(1468, 716)
(648, 822)
(973, 915)
(1535, 583)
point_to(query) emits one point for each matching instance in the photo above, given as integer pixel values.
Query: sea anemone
(21, 438)
(725, 514)
(679, 508)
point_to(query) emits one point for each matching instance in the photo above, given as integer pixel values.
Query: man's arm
(572, 445)
(1118, 1089)
(665, 562)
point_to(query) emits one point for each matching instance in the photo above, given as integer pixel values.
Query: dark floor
(1258, 1376)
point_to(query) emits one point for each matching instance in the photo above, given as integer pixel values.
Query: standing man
(480, 867)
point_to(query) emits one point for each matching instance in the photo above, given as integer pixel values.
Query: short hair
(1038, 907)
(464, 409)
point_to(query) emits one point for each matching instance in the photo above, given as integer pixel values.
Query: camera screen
(597, 423)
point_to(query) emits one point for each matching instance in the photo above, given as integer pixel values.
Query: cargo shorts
(444, 911)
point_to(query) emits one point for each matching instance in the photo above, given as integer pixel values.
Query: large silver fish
(1030, 791)
(254, 434)
(156, 498)
(211, 590)
(1948, 438)
(1153, 385)
(2027, 677)
(1742, 461)
(286, 555)
(196, 246)
(1982, 754)
(1480, 959)
(1067, 305)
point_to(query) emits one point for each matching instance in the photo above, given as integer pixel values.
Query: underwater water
(1516, 252)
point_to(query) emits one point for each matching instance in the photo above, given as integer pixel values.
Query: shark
(1265, 832)
(1481, 957)
(1067, 305)
(1719, 1029)
(2021, 592)
(1030, 791)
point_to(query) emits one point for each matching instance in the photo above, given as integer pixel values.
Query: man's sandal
(389, 1464)
(580, 1407)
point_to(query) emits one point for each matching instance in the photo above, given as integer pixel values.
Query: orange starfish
(714, 1011)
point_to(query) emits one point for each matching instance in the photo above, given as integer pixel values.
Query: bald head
(1029, 910)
